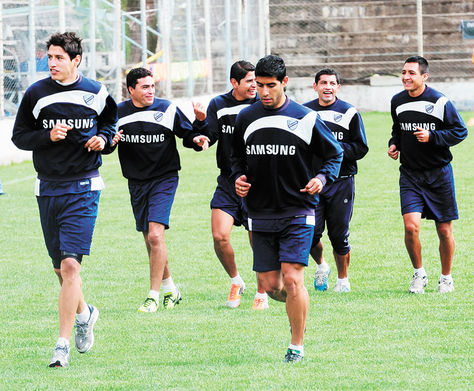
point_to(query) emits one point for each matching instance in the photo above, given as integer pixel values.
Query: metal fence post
(419, 24)
(2, 89)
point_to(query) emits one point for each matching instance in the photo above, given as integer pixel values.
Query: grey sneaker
(445, 285)
(170, 300)
(85, 333)
(418, 283)
(60, 357)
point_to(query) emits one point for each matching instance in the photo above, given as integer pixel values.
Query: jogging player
(150, 161)
(425, 125)
(227, 208)
(274, 143)
(67, 120)
(336, 200)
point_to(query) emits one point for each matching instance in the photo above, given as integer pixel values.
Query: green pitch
(376, 337)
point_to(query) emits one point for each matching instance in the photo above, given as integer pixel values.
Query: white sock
(168, 285)
(323, 266)
(447, 277)
(237, 280)
(259, 295)
(344, 280)
(154, 295)
(420, 271)
(62, 342)
(299, 348)
(84, 316)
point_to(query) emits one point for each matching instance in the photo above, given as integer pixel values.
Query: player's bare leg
(342, 264)
(272, 283)
(317, 253)
(297, 300)
(412, 222)
(155, 242)
(446, 245)
(222, 224)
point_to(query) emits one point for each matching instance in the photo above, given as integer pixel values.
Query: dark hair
(135, 74)
(424, 67)
(327, 71)
(69, 41)
(239, 70)
(271, 66)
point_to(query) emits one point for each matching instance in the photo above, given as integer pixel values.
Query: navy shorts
(291, 245)
(225, 198)
(68, 223)
(429, 192)
(335, 207)
(152, 201)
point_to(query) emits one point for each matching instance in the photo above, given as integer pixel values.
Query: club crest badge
(337, 117)
(292, 124)
(88, 99)
(158, 116)
(429, 108)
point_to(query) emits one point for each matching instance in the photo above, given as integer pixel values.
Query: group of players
(286, 171)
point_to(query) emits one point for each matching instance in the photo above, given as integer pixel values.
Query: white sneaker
(342, 286)
(85, 331)
(236, 290)
(60, 357)
(418, 283)
(445, 285)
(259, 303)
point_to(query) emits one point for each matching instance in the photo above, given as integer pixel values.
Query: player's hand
(202, 141)
(313, 186)
(242, 187)
(422, 135)
(199, 111)
(393, 152)
(59, 132)
(117, 138)
(95, 143)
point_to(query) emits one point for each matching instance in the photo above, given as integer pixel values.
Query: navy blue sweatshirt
(274, 149)
(431, 111)
(347, 127)
(147, 148)
(85, 105)
(219, 126)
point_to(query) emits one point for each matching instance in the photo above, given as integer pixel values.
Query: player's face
(327, 88)
(271, 91)
(144, 92)
(61, 67)
(246, 88)
(413, 81)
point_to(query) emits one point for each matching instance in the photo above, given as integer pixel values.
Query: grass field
(377, 337)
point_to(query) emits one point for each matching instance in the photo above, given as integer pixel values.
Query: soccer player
(274, 143)
(150, 161)
(425, 125)
(227, 209)
(67, 120)
(336, 200)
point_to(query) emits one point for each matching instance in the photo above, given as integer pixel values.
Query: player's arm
(183, 128)
(209, 126)
(357, 148)
(455, 131)
(394, 141)
(238, 161)
(325, 146)
(106, 128)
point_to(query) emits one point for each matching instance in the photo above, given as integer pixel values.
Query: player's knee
(220, 238)
(341, 245)
(444, 231)
(411, 228)
(156, 238)
(70, 268)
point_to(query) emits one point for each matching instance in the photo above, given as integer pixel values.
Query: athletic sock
(168, 285)
(447, 277)
(237, 280)
(84, 316)
(62, 342)
(259, 295)
(421, 271)
(154, 295)
(299, 348)
(323, 266)
(344, 280)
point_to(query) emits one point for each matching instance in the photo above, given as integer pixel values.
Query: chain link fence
(363, 38)
(188, 44)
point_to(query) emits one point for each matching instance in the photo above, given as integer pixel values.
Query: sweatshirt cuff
(322, 178)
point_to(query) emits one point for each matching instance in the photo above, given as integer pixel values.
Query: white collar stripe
(303, 129)
(165, 119)
(231, 110)
(424, 106)
(344, 121)
(78, 97)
